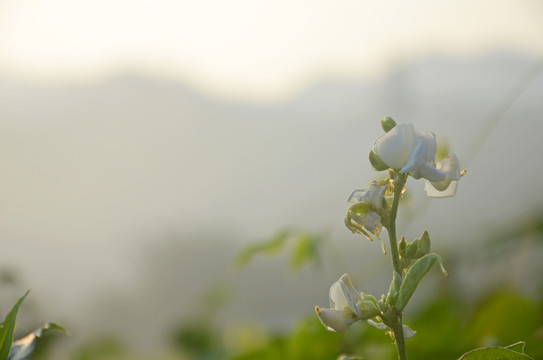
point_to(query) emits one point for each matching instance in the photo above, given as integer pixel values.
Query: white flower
(343, 311)
(362, 217)
(414, 152)
(373, 195)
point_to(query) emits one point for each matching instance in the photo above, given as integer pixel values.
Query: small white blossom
(343, 311)
(362, 217)
(373, 195)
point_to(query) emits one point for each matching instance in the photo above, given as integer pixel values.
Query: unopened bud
(388, 123)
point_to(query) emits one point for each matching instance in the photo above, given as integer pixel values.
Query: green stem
(400, 341)
(399, 182)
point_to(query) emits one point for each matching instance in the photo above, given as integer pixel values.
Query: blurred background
(145, 144)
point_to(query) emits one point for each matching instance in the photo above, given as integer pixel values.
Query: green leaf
(504, 316)
(8, 327)
(414, 276)
(23, 348)
(394, 289)
(495, 353)
(306, 250)
(271, 246)
(376, 162)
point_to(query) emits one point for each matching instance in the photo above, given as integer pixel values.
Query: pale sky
(251, 49)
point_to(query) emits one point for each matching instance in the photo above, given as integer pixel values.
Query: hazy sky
(251, 49)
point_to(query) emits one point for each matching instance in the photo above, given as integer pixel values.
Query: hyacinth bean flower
(413, 152)
(362, 217)
(347, 306)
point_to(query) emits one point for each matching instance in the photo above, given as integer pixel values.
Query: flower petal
(417, 158)
(446, 187)
(431, 173)
(431, 191)
(378, 325)
(335, 320)
(394, 146)
(450, 166)
(373, 222)
(343, 295)
(408, 332)
(375, 195)
(357, 196)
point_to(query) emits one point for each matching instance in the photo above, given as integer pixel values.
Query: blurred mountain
(98, 178)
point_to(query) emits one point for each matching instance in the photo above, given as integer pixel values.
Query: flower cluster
(348, 306)
(403, 151)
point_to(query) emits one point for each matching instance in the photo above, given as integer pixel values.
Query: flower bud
(388, 123)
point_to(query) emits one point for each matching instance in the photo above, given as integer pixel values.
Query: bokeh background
(145, 144)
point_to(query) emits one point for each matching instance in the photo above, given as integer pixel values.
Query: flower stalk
(399, 183)
(397, 328)
(405, 152)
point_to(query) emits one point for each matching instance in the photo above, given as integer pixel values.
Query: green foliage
(443, 332)
(268, 247)
(439, 324)
(305, 248)
(414, 276)
(309, 340)
(306, 251)
(8, 327)
(198, 339)
(105, 348)
(512, 352)
(505, 318)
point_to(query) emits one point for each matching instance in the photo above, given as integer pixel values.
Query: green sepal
(382, 303)
(394, 289)
(388, 123)
(368, 310)
(376, 163)
(371, 298)
(402, 246)
(8, 327)
(416, 249)
(360, 207)
(411, 250)
(423, 247)
(413, 277)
